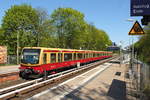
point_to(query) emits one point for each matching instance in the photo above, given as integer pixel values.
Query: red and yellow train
(35, 61)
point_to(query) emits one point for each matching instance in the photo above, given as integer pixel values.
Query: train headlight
(37, 71)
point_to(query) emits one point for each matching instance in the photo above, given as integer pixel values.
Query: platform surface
(9, 69)
(92, 85)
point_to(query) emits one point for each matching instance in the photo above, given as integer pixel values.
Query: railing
(141, 78)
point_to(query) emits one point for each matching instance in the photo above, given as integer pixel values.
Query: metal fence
(141, 79)
(11, 59)
(145, 76)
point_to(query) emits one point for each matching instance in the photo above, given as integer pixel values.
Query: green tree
(96, 39)
(45, 30)
(143, 47)
(1, 36)
(19, 20)
(47, 38)
(69, 27)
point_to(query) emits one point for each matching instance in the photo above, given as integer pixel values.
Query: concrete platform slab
(8, 69)
(92, 85)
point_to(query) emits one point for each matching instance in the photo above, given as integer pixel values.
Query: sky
(108, 15)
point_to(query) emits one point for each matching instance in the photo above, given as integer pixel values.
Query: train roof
(61, 49)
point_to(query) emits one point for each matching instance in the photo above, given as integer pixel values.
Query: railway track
(27, 89)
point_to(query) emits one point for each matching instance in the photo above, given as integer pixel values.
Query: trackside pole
(45, 75)
(78, 64)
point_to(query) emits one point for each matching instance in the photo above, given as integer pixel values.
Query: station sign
(140, 7)
(136, 29)
(113, 48)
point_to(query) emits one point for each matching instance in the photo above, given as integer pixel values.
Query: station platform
(9, 69)
(105, 82)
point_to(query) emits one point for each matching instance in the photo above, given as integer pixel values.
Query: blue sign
(140, 7)
(113, 48)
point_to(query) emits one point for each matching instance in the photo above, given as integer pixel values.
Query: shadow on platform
(117, 90)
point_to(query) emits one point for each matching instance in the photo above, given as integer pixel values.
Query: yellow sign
(136, 29)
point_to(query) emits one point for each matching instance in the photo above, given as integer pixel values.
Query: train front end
(30, 62)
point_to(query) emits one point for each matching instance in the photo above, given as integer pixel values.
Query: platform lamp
(18, 44)
(132, 52)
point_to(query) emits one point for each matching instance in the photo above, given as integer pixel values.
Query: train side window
(93, 54)
(59, 57)
(83, 56)
(74, 56)
(90, 55)
(53, 57)
(79, 56)
(67, 56)
(44, 58)
(86, 55)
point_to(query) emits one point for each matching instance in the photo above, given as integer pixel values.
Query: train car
(35, 61)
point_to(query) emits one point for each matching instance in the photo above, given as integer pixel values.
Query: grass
(7, 64)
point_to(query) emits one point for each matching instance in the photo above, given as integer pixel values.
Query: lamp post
(132, 52)
(17, 47)
(121, 55)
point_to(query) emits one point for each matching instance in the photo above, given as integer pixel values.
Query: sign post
(135, 30)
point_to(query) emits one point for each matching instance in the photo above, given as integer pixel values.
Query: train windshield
(30, 56)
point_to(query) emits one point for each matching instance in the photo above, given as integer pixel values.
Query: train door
(74, 56)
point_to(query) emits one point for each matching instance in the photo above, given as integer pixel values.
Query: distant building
(3, 54)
